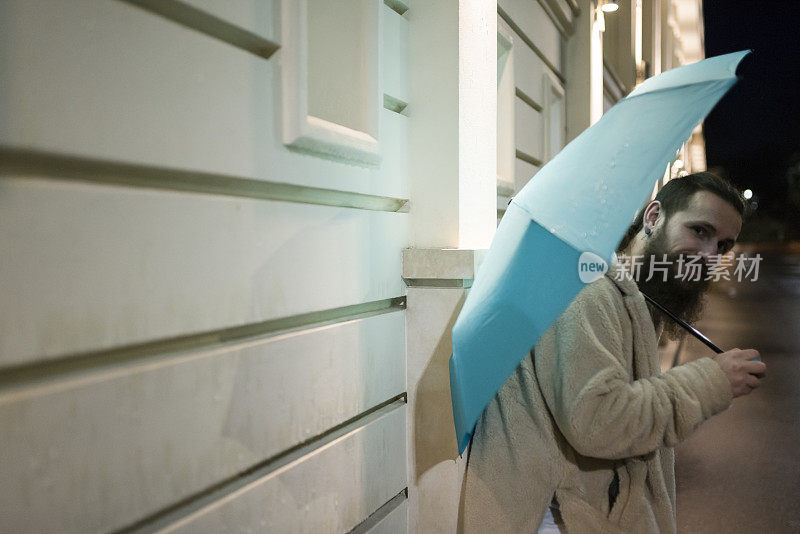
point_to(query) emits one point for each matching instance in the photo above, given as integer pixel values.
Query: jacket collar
(646, 334)
(622, 279)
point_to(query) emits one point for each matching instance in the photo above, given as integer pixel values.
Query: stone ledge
(441, 263)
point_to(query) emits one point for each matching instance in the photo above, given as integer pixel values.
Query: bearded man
(587, 423)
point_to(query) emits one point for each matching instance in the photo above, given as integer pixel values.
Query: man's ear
(652, 213)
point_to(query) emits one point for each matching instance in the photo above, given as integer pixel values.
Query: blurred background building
(234, 237)
(753, 135)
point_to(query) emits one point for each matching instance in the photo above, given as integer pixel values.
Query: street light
(609, 6)
(748, 194)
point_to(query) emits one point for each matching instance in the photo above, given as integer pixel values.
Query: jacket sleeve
(600, 410)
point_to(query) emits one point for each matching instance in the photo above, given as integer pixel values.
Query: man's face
(708, 226)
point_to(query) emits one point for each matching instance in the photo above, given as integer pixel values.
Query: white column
(596, 67)
(453, 210)
(651, 35)
(453, 114)
(584, 60)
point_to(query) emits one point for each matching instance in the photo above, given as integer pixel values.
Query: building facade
(234, 237)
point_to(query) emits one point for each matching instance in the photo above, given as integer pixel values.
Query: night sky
(753, 135)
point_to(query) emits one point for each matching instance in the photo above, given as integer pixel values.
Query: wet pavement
(740, 471)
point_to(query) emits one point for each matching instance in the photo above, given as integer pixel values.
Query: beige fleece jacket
(592, 401)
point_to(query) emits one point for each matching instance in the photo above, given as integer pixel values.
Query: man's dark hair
(676, 194)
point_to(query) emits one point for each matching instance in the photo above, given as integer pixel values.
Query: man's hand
(744, 375)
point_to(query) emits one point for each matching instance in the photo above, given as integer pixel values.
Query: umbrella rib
(634, 96)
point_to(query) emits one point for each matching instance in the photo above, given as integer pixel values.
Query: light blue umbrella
(581, 201)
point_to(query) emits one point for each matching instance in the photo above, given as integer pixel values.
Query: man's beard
(682, 297)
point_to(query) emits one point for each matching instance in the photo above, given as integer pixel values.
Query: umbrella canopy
(582, 201)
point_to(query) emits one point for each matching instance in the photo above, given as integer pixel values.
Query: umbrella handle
(689, 328)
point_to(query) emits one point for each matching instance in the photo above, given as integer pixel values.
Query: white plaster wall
(181, 349)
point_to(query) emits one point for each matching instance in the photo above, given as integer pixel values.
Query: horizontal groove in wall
(612, 90)
(527, 40)
(41, 373)
(199, 20)
(573, 5)
(610, 72)
(504, 190)
(527, 158)
(609, 93)
(394, 104)
(398, 6)
(378, 515)
(528, 100)
(557, 17)
(438, 282)
(60, 167)
(193, 503)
